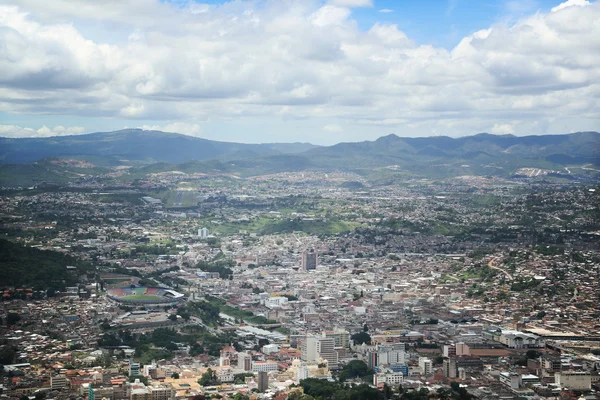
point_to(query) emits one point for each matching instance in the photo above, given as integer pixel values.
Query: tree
(361, 337)
(355, 369)
(209, 378)
(533, 354)
(12, 318)
(175, 375)
(173, 317)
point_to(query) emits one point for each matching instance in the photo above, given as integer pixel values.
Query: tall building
(341, 337)
(263, 381)
(134, 368)
(316, 347)
(244, 361)
(58, 382)
(450, 368)
(426, 365)
(309, 260)
(203, 232)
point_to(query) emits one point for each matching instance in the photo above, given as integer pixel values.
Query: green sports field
(142, 297)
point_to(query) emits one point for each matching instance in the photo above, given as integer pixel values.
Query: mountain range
(136, 145)
(155, 151)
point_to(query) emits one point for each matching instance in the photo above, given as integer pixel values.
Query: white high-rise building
(244, 361)
(203, 232)
(426, 366)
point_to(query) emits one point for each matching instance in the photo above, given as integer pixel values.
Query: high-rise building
(341, 337)
(426, 365)
(203, 232)
(450, 368)
(244, 361)
(58, 382)
(134, 368)
(263, 381)
(316, 347)
(309, 260)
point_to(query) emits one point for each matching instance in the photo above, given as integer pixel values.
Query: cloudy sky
(299, 70)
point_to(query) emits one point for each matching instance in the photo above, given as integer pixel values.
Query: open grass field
(142, 297)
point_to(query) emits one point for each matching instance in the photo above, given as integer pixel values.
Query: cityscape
(299, 200)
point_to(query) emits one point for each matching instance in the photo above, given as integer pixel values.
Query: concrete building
(244, 361)
(316, 347)
(309, 260)
(58, 382)
(388, 376)
(510, 379)
(450, 368)
(341, 337)
(426, 366)
(263, 381)
(574, 380)
(203, 232)
(134, 368)
(264, 366)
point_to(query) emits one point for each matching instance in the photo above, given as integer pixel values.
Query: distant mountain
(383, 161)
(481, 154)
(136, 145)
(581, 147)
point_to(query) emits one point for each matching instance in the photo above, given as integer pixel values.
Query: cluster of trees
(39, 269)
(323, 389)
(520, 284)
(162, 341)
(207, 312)
(361, 337)
(223, 267)
(356, 369)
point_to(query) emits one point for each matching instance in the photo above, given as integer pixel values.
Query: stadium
(145, 295)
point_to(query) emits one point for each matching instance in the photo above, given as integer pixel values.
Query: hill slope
(136, 145)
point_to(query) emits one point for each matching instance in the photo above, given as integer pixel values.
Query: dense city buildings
(427, 285)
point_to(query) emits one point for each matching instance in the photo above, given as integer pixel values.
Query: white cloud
(13, 131)
(295, 60)
(386, 10)
(176, 127)
(570, 3)
(333, 128)
(351, 3)
(503, 129)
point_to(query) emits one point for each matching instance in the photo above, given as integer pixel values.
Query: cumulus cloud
(176, 127)
(352, 3)
(295, 59)
(13, 131)
(503, 129)
(333, 128)
(570, 3)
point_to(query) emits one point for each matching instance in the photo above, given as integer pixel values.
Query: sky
(319, 71)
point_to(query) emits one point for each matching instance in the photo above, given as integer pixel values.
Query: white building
(574, 380)
(270, 348)
(275, 301)
(520, 340)
(316, 347)
(389, 377)
(58, 382)
(244, 361)
(203, 232)
(426, 365)
(264, 366)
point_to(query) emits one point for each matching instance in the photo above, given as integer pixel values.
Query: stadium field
(142, 297)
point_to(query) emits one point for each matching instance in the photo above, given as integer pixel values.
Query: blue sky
(300, 70)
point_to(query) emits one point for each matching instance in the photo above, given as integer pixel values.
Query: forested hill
(28, 267)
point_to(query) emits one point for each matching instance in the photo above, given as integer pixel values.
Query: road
(492, 266)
